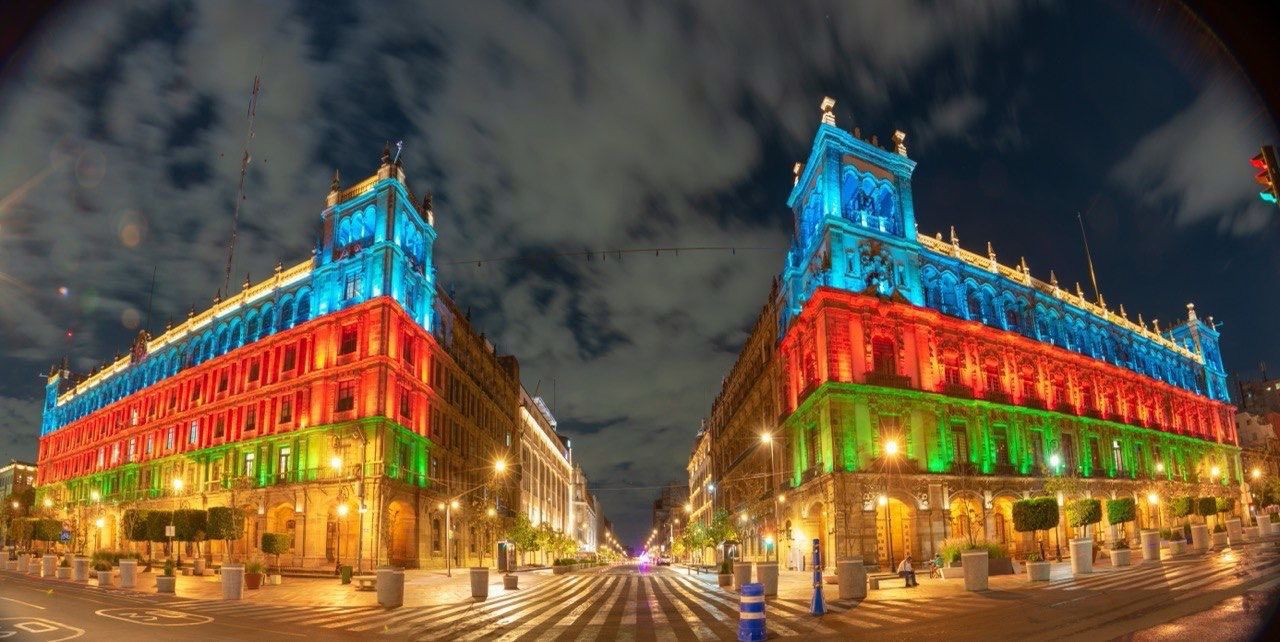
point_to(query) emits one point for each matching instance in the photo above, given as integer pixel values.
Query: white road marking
(34, 606)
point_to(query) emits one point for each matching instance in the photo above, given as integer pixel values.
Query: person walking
(906, 572)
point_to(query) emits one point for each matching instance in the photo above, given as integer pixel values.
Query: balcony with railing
(889, 380)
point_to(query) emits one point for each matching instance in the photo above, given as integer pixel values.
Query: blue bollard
(751, 613)
(817, 607)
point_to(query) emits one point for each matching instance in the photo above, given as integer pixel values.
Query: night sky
(562, 127)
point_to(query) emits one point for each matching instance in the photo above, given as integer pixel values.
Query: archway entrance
(810, 526)
(966, 518)
(399, 525)
(283, 520)
(895, 531)
(1002, 524)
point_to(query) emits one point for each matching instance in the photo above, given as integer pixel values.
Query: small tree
(276, 544)
(47, 531)
(1083, 513)
(522, 535)
(1224, 507)
(21, 528)
(186, 523)
(1206, 506)
(1183, 507)
(157, 520)
(227, 524)
(721, 530)
(1035, 515)
(1121, 511)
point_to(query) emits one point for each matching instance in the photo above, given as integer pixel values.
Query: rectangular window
(194, 436)
(223, 380)
(407, 350)
(1117, 456)
(253, 370)
(1068, 447)
(195, 391)
(250, 418)
(133, 449)
(347, 345)
(351, 287)
(282, 463)
(1001, 442)
(248, 464)
(151, 442)
(169, 439)
(346, 396)
(286, 410)
(290, 360)
(406, 405)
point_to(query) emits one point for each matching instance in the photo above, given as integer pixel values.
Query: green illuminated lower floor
(859, 428)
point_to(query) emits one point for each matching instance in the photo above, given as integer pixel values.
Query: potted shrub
(1204, 507)
(166, 583)
(1219, 536)
(103, 568)
(253, 575)
(276, 544)
(725, 578)
(1035, 515)
(1225, 506)
(1081, 514)
(976, 561)
(64, 568)
(1120, 553)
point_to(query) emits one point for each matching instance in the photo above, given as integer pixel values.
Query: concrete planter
(1265, 527)
(1199, 537)
(11, 565)
(391, 587)
(104, 579)
(232, 581)
(741, 574)
(1082, 556)
(480, 581)
(725, 579)
(49, 565)
(1038, 571)
(1220, 540)
(166, 584)
(1234, 532)
(128, 573)
(273, 579)
(560, 569)
(1150, 546)
(851, 575)
(33, 565)
(64, 572)
(80, 569)
(1121, 557)
(1251, 534)
(510, 582)
(198, 566)
(975, 565)
(767, 574)
(24, 563)
(1176, 547)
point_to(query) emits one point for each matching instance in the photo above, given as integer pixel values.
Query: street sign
(169, 531)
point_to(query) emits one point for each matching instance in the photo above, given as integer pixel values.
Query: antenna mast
(1089, 257)
(244, 170)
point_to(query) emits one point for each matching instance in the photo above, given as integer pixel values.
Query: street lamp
(1154, 499)
(94, 495)
(891, 447)
(1159, 467)
(1055, 461)
(16, 505)
(177, 484)
(48, 503)
(343, 509)
(335, 462)
(499, 467)
(1256, 473)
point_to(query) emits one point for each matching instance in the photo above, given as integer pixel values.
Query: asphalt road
(32, 609)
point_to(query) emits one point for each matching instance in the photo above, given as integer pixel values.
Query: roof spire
(336, 183)
(900, 142)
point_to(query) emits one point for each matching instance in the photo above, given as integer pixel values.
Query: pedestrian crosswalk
(626, 604)
(584, 608)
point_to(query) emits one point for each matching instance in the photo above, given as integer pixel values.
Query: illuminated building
(923, 388)
(345, 401)
(546, 464)
(15, 478)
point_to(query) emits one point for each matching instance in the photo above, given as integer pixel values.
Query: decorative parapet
(944, 248)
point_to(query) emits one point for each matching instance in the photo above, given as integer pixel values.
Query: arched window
(884, 357)
(303, 311)
(286, 315)
(951, 367)
(1012, 322)
(975, 306)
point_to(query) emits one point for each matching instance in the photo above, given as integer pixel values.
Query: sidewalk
(421, 588)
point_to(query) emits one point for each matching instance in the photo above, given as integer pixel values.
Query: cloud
(1195, 164)
(562, 127)
(19, 428)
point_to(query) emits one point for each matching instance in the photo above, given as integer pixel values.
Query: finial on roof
(426, 202)
(1022, 265)
(796, 171)
(1079, 290)
(1155, 324)
(857, 133)
(217, 297)
(991, 253)
(955, 240)
(386, 154)
(1191, 312)
(1053, 279)
(875, 140)
(827, 105)
(1102, 302)
(1141, 323)
(191, 312)
(278, 266)
(336, 183)
(900, 142)
(1123, 313)
(246, 280)
(168, 325)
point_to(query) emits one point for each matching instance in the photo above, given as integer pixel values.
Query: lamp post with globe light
(452, 504)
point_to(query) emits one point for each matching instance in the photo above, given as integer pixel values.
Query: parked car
(664, 560)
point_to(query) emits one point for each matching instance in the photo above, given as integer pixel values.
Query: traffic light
(1268, 175)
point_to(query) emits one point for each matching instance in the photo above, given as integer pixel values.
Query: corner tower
(855, 224)
(375, 240)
